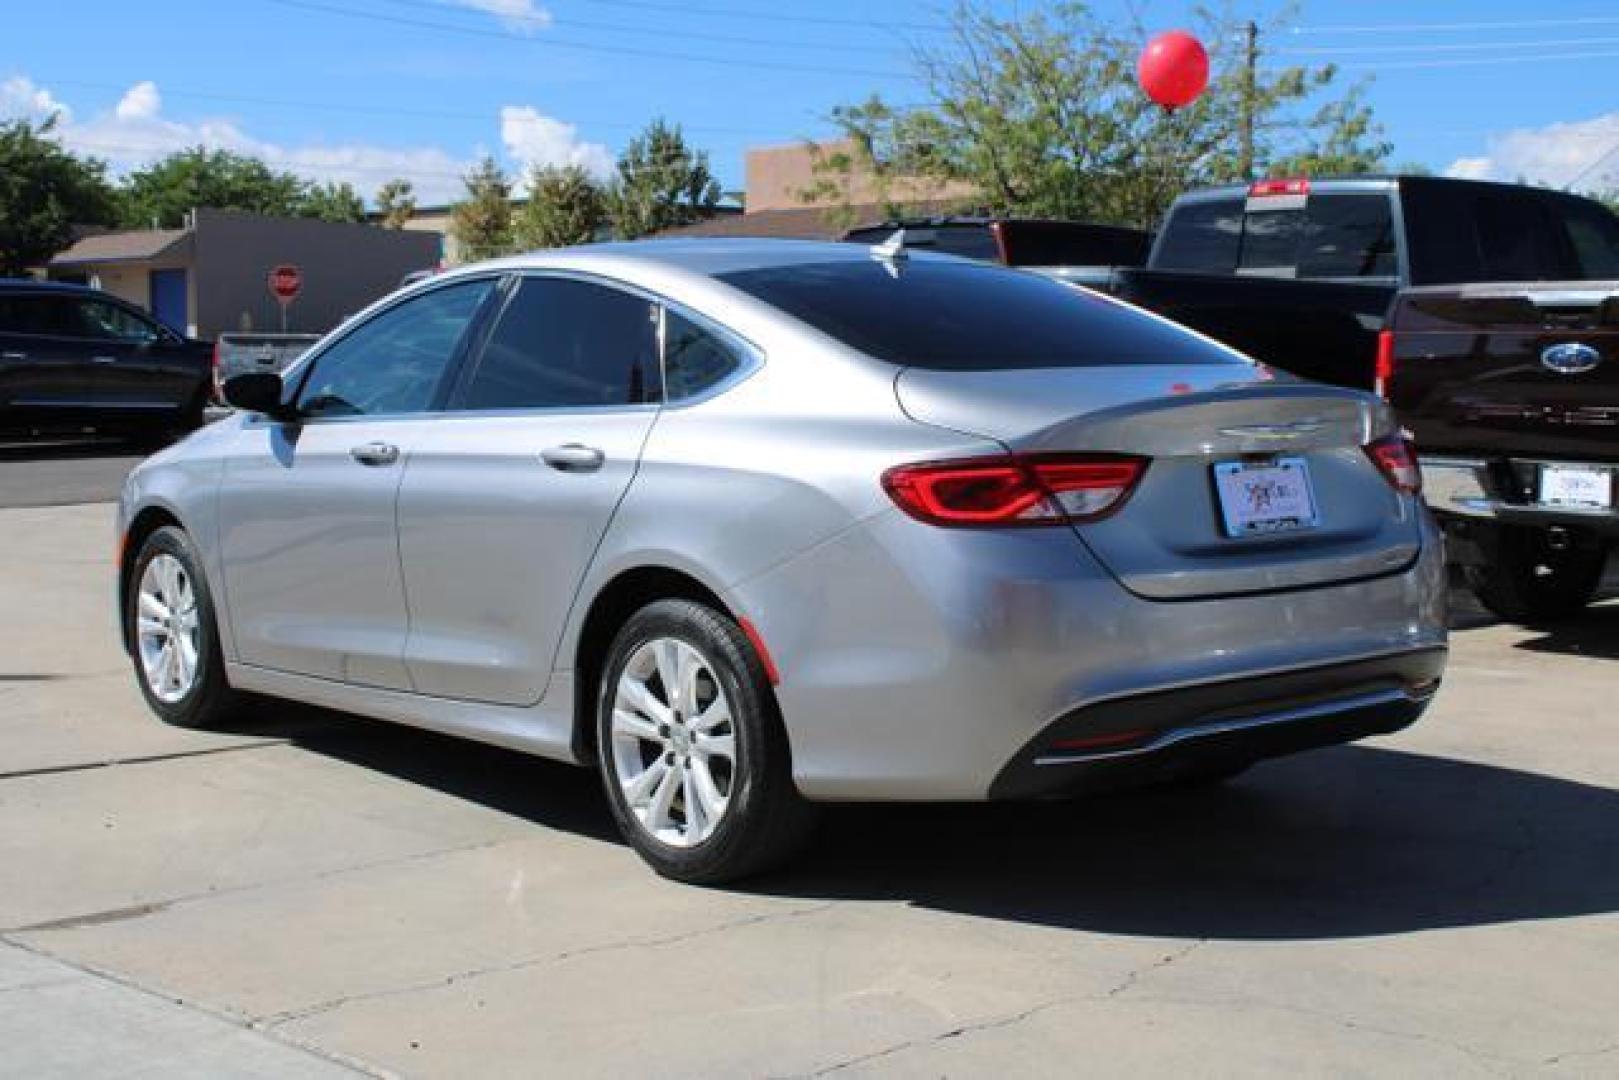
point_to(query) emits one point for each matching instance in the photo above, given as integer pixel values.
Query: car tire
(661, 761)
(168, 600)
(1525, 580)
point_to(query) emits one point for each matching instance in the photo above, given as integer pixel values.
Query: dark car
(75, 359)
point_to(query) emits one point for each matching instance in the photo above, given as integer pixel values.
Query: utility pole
(1250, 91)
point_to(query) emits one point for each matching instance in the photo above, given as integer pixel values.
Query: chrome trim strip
(1228, 727)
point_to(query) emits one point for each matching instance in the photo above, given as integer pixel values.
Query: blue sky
(361, 90)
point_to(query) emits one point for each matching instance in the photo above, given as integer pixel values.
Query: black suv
(74, 359)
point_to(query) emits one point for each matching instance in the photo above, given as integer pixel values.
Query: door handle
(104, 359)
(13, 356)
(375, 453)
(573, 457)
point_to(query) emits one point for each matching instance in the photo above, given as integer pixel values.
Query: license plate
(1566, 485)
(1257, 498)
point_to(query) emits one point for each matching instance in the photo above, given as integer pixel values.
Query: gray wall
(345, 267)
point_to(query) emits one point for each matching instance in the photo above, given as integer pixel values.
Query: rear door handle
(375, 453)
(13, 356)
(104, 359)
(573, 457)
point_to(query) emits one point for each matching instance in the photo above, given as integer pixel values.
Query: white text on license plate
(1265, 497)
(1563, 485)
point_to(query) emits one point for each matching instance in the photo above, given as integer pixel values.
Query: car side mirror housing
(259, 392)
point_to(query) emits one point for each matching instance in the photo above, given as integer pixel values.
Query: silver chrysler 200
(750, 525)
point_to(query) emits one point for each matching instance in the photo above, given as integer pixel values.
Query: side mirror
(258, 392)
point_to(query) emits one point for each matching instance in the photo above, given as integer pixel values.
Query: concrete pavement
(318, 893)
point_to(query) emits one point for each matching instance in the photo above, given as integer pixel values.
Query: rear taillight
(1383, 371)
(1396, 459)
(213, 366)
(1021, 489)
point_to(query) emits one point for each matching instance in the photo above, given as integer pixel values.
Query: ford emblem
(1570, 358)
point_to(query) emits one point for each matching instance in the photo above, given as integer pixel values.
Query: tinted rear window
(949, 316)
(1201, 237)
(1339, 235)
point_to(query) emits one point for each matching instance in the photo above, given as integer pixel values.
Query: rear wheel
(693, 753)
(174, 643)
(1526, 578)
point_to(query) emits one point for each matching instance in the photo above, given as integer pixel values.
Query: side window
(568, 344)
(109, 322)
(694, 359)
(1594, 234)
(1202, 237)
(392, 363)
(36, 313)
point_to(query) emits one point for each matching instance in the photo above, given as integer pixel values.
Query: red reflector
(1027, 489)
(1096, 742)
(1396, 459)
(1383, 370)
(752, 633)
(1261, 189)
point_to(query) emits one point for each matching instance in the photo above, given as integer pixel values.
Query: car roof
(35, 285)
(705, 256)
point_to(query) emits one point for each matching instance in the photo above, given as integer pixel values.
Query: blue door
(168, 291)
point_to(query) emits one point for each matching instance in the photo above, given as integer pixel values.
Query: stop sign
(286, 282)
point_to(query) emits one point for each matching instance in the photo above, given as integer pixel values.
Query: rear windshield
(953, 316)
(1343, 235)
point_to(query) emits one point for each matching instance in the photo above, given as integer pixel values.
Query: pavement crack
(990, 1024)
(276, 1020)
(1130, 979)
(1566, 1055)
(94, 918)
(147, 759)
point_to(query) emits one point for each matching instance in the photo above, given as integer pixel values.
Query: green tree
(662, 183)
(565, 206)
(483, 220)
(332, 201)
(396, 201)
(1040, 113)
(160, 195)
(44, 192)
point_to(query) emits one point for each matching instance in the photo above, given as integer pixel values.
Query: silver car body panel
(914, 660)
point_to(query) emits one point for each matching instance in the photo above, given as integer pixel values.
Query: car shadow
(1593, 633)
(1353, 841)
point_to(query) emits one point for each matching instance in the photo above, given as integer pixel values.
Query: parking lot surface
(321, 895)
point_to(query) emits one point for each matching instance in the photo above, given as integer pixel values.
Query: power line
(769, 16)
(1403, 65)
(381, 110)
(1521, 24)
(1468, 46)
(549, 41)
(662, 32)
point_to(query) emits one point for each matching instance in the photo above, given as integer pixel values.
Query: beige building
(780, 178)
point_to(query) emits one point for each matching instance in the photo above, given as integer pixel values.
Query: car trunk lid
(1172, 540)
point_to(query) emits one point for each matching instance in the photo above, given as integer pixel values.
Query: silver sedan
(753, 525)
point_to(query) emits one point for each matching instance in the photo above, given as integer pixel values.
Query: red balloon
(1173, 69)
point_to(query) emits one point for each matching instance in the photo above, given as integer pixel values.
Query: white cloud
(524, 15)
(20, 97)
(1556, 154)
(532, 138)
(140, 102)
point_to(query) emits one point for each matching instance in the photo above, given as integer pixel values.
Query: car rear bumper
(922, 664)
(1146, 738)
(1470, 489)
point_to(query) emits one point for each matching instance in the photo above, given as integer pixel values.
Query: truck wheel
(1527, 580)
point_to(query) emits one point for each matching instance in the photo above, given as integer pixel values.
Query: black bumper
(1149, 738)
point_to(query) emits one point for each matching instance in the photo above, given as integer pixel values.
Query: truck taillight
(1266, 189)
(1021, 489)
(1396, 459)
(1383, 371)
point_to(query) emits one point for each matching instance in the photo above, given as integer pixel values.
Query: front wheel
(693, 754)
(1528, 580)
(170, 622)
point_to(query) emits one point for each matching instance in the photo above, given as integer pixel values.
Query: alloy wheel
(167, 629)
(674, 742)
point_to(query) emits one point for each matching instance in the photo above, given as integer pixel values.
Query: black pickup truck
(1301, 273)
(1488, 315)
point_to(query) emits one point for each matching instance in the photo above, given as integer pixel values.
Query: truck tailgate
(1509, 370)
